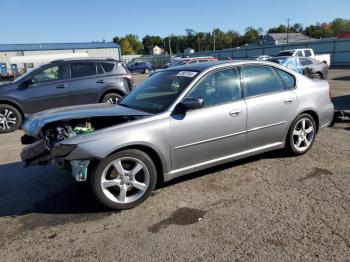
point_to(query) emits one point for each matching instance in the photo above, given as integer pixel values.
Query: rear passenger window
(82, 69)
(260, 80)
(287, 79)
(108, 67)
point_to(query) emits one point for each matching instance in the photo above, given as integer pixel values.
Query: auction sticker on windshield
(186, 73)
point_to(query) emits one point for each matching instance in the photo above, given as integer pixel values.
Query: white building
(16, 59)
(157, 50)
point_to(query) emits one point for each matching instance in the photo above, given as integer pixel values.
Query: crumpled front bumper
(38, 153)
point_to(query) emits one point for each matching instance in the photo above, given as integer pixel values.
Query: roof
(56, 46)
(199, 67)
(293, 37)
(90, 59)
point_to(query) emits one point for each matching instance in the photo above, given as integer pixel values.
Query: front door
(217, 129)
(271, 104)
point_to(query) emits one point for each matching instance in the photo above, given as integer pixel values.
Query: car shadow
(50, 190)
(45, 190)
(341, 78)
(341, 102)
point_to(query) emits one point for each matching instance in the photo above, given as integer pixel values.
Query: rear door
(84, 84)
(50, 89)
(271, 104)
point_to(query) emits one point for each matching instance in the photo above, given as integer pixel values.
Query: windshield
(26, 74)
(285, 53)
(158, 92)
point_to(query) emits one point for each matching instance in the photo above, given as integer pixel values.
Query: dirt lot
(271, 207)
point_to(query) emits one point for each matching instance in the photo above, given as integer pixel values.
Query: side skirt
(222, 160)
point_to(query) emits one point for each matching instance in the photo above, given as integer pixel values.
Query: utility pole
(169, 46)
(288, 31)
(214, 37)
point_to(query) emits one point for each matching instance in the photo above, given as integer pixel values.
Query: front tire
(124, 180)
(146, 71)
(301, 135)
(10, 119)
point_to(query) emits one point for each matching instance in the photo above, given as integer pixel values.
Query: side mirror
(28, 82)
(192, 103)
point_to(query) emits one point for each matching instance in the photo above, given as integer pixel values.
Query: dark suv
(62, 83)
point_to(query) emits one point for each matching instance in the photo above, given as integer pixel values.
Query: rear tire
(111, 98)
(146, 71)
(10, 119)
(301, 135)
(124, 180)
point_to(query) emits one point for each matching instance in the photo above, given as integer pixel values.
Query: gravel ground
(266, 208)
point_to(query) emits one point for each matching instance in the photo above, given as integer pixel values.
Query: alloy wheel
(303, 134)
(8, 119)
(113, 100)
(125, 180)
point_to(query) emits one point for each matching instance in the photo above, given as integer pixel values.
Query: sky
(45, 21)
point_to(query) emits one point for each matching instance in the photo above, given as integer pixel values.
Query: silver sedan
(180, 120)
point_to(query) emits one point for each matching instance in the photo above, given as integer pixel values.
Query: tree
(340, 26)
(126, 47)
(135, 43)
(279, 29)
(149, 42)
(252, 35)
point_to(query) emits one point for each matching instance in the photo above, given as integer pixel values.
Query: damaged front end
(45, 144)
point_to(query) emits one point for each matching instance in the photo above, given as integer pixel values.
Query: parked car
(180, 120)
(307, 52)
(141, 67)
(186, 61)
(192, 60)
(62, 83)
(261, 57)
(306, 66)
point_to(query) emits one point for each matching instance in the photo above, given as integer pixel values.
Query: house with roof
(284, 38)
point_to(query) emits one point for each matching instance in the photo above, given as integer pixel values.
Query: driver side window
(219, 87)
(49, 74)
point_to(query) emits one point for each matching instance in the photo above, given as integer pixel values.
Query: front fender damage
(48, 148)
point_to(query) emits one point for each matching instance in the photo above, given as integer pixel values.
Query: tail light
(129, 79)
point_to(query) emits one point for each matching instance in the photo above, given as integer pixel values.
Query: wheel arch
(15, 105)
(152, 153)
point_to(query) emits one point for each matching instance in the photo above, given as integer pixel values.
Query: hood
(6, 87)
(36, 122)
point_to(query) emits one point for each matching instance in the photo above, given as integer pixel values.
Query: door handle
(101, 81)
(235, 112)
(61, 86)
(288, 100)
